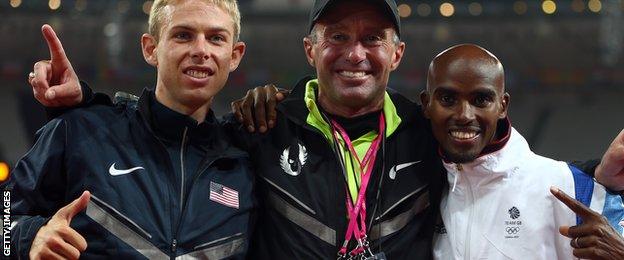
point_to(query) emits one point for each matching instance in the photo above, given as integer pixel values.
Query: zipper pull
(174, 244)
(459, 168)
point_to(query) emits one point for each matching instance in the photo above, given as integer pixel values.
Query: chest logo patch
(398, 167)
(116, 172)
(293, 159)
(224, 195)
(513, 227)
(514, 213)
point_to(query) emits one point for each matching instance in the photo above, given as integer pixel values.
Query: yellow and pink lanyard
(358, 210)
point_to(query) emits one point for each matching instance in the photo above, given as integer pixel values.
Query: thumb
(68, 212)
(564, 230)
(279, 96)
(282, 94)
(68, 94)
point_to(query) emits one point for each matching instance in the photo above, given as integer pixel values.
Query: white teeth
(197, 74)
(463, 135)
(352, 74)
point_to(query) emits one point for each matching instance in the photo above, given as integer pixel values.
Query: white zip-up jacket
(499, 206)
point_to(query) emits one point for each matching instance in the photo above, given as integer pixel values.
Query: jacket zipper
(182, 145)
(164, 150)
(197, 174)
(174, 241)
(460, 168)
(340, 178)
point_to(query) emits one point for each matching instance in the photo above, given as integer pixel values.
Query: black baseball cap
(320, 7)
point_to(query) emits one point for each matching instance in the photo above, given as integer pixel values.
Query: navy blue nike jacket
(143, 203)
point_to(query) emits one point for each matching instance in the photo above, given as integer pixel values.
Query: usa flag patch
(223, 195)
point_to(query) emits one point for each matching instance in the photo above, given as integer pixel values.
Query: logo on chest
(513, 226)
(112, 170)
(224, 195)
(398, 167)
(293, 158)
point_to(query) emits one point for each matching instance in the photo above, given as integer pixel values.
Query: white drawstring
(454, 182)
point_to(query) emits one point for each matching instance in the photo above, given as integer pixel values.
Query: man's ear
(504, 105)
(424, 100)
(309, 50)
(148, 46)
(238, 51)
(398, 55)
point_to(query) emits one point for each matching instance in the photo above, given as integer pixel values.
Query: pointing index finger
(581, 210)
(57, 53)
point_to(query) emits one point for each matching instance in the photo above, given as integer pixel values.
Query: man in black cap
(332, 175)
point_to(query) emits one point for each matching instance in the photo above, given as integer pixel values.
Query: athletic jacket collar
(503, 132)
(170, 125)
(499, 164)
(298, 106)
(293, 106)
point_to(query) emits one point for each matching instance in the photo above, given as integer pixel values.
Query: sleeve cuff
(87, 96)
(23, 235)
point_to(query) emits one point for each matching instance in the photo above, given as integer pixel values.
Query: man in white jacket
(498, 204)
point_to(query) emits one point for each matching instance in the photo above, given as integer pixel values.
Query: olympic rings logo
(512, 230)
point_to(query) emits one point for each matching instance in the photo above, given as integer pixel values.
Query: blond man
(155, 179)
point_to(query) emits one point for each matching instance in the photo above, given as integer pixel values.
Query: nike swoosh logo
(116, 172)
(399, 167)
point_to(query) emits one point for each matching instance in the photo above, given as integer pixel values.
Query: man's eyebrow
(449, 90)
(191, 28)
(444, 89)
(182, 27)
(382, 33)
(485, 91)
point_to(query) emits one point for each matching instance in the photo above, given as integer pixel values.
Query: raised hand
(610, 171)
(259, 104)
(54, 82)
(56, 240)
(594, 238)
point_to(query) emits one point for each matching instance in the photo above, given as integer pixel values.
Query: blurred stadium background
(563, 59)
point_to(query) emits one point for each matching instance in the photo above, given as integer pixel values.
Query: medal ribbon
(359, 208)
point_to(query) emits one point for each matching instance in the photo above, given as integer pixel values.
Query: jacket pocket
(420, 202)
(218, 249)
(123, 228)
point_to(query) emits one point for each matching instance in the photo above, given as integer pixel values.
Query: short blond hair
(157, 14)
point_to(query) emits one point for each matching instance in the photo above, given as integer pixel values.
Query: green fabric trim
(361, 144)
(314, 117)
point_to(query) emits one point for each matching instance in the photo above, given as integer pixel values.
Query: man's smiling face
(354, 48)
(194, 53)
(464, 100)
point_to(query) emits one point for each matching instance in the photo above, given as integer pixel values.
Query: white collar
(499, 164)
